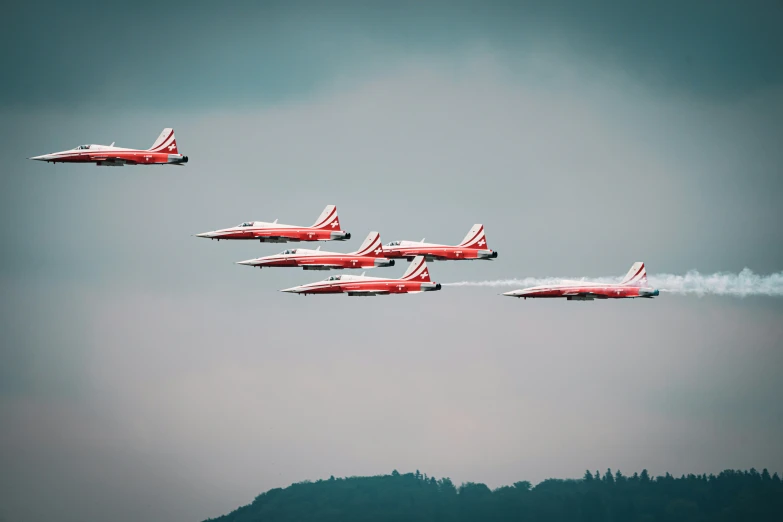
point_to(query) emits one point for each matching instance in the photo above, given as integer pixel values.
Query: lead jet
(163, 152)
(369, 255)
(634, 284)
(474, 246)
(415, 280)
(326, 228)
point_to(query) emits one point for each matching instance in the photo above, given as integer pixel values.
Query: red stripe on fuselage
(446, 252)
(344, 261)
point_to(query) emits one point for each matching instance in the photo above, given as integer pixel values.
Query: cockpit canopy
(287, 252)
(246, 224)
(393, 243)
(334, 278)
(82, 147)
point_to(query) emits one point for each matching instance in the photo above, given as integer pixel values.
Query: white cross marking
(482, 243)
(173, 145)
(334, 224)
(378, 250)
(424, 274)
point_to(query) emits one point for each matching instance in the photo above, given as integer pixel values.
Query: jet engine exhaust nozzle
(487, 254)
(177, 159)
(340, 236)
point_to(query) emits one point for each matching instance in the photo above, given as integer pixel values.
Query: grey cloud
(92, 54)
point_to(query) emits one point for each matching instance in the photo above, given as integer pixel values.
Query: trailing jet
(634, 284)
(415, 280)
(326, 228)
(474, 246)
(163, 152)
(369, 255)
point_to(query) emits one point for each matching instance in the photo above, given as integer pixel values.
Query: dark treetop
(730, 496)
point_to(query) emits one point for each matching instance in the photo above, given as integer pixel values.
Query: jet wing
(427, 257)
(321, 267)
(583, 296)
(367, 293)
(273, 239)
(111, 160)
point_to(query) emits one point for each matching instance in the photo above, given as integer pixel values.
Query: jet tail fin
(417, 271)
(371, 246)
(475, 238)
(166, 142)
(636, 276)
(328, 219)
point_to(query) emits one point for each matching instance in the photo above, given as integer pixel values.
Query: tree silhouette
(728, 497)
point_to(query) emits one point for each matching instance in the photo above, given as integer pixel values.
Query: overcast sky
(144, 376)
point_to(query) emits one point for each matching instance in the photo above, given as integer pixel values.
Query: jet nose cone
(513, 293)
(292, 290)
(205, 234)
(248, 262)
(44, 157)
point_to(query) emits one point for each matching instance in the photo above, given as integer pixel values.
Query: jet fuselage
(163, 152)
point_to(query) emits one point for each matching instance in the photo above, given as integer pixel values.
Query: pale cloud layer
(145, 376)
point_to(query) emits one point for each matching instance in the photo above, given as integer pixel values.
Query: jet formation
(372, 253)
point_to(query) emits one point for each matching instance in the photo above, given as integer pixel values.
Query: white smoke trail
(746, 283)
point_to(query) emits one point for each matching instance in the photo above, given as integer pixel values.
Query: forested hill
(730, 496)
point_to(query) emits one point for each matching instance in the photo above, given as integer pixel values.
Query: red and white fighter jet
(474, 246)
(415, 280)
(369, 255)
(163, 152)
(326, 228)
(634, 284)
